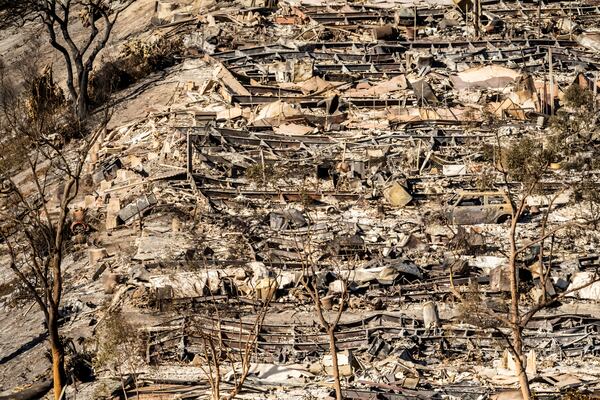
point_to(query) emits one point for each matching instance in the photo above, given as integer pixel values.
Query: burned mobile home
(357, 199)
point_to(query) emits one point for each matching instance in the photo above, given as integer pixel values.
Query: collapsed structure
(359, 144)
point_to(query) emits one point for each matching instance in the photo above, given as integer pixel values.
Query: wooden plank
(231, 82)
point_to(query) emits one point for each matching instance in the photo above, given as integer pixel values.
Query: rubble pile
(353, 150)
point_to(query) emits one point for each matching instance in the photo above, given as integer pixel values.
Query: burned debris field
(299, 199)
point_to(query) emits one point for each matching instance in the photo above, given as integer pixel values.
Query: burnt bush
(112, 76)
(137, 60)
(144, 57)
(35, 113)
(576, 96)
(527, 160)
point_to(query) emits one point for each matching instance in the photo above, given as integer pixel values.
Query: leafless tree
(527, 161)
(305, 248)
(36, 236)
(215, 352)
(97, 17)
(120, 348)
(524, 162)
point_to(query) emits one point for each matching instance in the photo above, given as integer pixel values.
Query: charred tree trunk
(336, 370)
(521, 373)
(82, 106)
(79, 56)
(58, 354)
(514, 313)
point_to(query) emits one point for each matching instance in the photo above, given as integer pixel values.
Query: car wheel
(504, 218)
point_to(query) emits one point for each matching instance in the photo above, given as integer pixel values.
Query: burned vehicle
(471, 208)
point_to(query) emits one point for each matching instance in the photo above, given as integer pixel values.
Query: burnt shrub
(137, 59)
